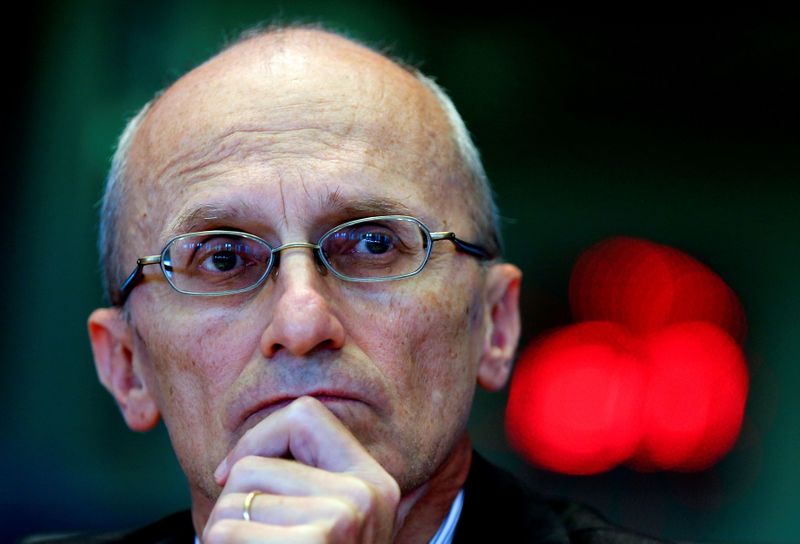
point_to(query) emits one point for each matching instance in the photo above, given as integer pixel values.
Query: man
(326, 296)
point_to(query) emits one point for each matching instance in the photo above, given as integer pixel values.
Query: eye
(376, 248)
(362, 241)
(374, 242)
(215, 262)
(224, 260)
(219, 255)
(215, 255)
(223, 255)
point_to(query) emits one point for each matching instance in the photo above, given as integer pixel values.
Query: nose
(302, 317)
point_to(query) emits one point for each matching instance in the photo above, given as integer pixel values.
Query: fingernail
(223, 466)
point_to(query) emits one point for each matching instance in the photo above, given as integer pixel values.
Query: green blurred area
(685, 135)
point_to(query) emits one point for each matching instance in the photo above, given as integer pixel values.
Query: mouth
(336, 401)
(355, 393)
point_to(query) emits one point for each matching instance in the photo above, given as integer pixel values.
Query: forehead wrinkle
(390, 123)
(283, 200)
(332, 203)
(239, 143)
(364, 122)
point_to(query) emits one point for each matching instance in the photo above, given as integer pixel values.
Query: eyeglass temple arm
(134, 278)
(461, 245)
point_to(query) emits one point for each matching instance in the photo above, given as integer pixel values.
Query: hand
(331, 491)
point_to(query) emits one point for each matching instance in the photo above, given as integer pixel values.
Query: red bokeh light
(575, 401)
(654, 377)
(646, 286)
(695, 397)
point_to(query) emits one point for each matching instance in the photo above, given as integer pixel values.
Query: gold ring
(248, 502)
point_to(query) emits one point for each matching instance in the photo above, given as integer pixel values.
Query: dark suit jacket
(498, 508)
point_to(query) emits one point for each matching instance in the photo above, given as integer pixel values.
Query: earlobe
(502, 325)
(116, 366)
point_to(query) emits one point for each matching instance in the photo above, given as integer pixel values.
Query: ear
(502, 325)
(117, 368)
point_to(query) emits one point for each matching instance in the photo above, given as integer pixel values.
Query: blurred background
(683, 134)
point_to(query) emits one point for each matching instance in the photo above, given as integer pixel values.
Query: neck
(422, 511)
(201, 510)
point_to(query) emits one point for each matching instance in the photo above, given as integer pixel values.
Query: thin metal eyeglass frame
(137, 274)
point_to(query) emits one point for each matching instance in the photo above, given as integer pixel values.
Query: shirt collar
(448, 527)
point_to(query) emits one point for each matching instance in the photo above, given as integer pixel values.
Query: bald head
(272, 99)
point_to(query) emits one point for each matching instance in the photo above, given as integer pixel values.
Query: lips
(249, 414)
(348, 384)
(325, 397)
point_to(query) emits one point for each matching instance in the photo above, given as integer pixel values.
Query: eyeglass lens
(215, 263)
(223, 262)
(376, 249)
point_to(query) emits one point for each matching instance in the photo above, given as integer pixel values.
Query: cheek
(428, 350)
(196, 355)
(430, 331)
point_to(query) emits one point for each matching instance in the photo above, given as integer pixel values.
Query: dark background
(683, 134)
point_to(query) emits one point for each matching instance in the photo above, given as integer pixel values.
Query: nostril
(272, 350)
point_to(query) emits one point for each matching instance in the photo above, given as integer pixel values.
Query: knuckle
(228, 505)
(362, 494)
(391, 493)
(345, 510)
(222, 531)
(244, 467)
(347, 522)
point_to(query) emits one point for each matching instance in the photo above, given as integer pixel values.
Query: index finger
(307, 431)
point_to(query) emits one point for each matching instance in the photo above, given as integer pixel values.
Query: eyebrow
(335, 204)
(335, 208)
(203, 215)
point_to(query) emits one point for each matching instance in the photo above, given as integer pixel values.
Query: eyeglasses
(223, 262)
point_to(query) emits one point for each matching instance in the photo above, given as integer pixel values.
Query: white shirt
(448, 527)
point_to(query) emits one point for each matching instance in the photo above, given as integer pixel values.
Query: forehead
(291, 126)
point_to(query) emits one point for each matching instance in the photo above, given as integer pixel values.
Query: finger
(240, 531)
(285, 477)
(328, 460)
(289, 478)
(288, 511)
(307, 431)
